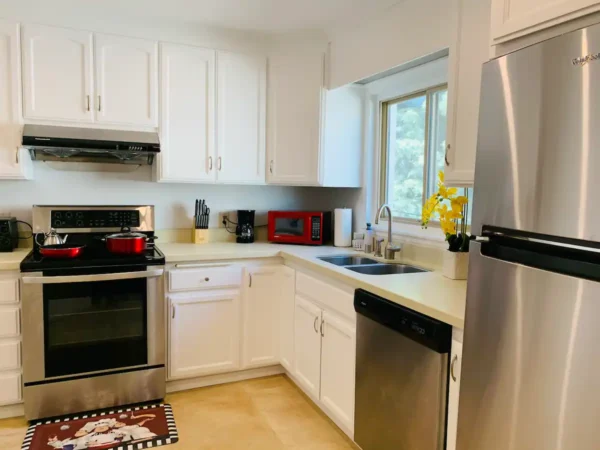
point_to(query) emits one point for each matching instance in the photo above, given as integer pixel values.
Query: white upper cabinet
(241, 118)
(315, 135)
(262, 299)
(515, 18)
(126, 80)
(187, 110)
(15, 162)
(295, 104)
(57, 74)
(468, 52)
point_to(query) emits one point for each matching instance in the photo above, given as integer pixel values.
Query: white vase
(456, 265)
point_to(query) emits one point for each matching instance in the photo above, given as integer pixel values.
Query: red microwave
(300, 227)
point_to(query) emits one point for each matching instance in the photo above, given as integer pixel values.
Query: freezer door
(531, 360)
(537, 152)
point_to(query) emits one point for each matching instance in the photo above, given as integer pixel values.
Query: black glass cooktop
(95, 255)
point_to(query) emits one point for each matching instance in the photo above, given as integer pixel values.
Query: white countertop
(12, 260)
(429, 293)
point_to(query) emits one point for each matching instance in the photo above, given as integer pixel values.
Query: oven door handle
(87, 278)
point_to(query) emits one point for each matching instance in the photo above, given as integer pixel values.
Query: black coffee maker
(245, 226)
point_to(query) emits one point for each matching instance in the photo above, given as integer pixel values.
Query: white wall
(406, 31)
(174, 202)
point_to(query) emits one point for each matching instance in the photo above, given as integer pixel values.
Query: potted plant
(451, 210)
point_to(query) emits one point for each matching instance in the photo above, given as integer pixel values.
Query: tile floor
(263, 414)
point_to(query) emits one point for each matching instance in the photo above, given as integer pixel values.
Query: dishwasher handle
(422, 329)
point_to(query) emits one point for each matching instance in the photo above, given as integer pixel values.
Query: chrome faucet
(390, 248)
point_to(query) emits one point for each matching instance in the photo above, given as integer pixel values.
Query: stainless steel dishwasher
(401, 376)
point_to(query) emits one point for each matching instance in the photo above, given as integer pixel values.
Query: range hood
(67, 144)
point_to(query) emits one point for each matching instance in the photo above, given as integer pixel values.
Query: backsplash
(174, 202)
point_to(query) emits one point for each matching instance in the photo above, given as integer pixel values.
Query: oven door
(92, 323)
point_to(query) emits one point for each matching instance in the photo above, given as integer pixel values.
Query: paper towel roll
(342, 234)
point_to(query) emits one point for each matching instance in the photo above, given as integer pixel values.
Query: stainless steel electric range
(93, 326)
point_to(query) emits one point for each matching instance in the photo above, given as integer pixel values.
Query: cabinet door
(467, 55)
(453, 394)
(187, 114)
(338, 357)
(295, 106)
(286, 318)
(515, 18)
(14, 161)
(126, 80)
(57, 74)
(307, 343)
(10, 388)
(241, 109)
(204, 333)
(262, 300)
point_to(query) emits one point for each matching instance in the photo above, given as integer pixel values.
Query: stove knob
(57, 223)
(80, 223)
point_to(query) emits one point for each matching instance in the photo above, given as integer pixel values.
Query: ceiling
(256, 15)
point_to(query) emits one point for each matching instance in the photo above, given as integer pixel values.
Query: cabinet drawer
(9, 290)
(10, 388)
(9, 322)
(327, 294)
(10, 355)
(209, 277)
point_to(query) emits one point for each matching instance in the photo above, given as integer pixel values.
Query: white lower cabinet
(204, 333)
(261, 302)
(453, 394)
(338, 360)
(286, 318)
(10, 388)
(325, 355)
(307, 341)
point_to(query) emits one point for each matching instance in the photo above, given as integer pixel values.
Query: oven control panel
(95, 219)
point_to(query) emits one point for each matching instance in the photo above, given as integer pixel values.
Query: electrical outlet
(223, 220)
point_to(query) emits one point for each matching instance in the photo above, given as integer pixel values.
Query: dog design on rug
(106, 432)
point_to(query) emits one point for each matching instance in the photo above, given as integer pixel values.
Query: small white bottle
(369, 235)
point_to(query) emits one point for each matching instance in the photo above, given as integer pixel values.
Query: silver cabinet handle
(210, 163)
(250, 282)
(219, 163)
(315, 325)
(271, 166)
(99, 103)
(88, 102)
(17, 155)
(173, 313)
(452, 368)
(446, 155)
(322, 332)
(87, 278)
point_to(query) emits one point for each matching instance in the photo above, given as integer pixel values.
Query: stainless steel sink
(348, 260)
(386, 269)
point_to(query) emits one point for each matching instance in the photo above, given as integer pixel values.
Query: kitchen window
(413, 150)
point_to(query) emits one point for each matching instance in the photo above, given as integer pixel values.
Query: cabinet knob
(210, 163)
(271, 166)
(99, 103)
(88, 102)
(207, 279)
(446, 155)
(17, 155)
(219, 163)
(315, 325)
(173, 313)
(322, 332)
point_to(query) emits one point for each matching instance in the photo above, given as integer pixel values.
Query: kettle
(51, 238)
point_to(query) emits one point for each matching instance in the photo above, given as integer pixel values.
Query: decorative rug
(137, 427)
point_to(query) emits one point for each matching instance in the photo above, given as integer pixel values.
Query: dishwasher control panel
(416, 326)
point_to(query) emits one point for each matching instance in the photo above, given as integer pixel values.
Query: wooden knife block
(200, 236)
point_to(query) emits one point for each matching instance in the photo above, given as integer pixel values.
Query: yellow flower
(441, 176)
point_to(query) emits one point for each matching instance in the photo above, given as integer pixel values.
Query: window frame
(382, 194)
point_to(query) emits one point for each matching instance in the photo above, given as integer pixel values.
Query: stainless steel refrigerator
(531, 362)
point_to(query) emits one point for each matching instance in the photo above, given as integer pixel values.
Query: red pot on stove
(126, 242)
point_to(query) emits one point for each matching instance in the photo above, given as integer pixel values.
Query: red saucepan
(127, 242)
(63, 251)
